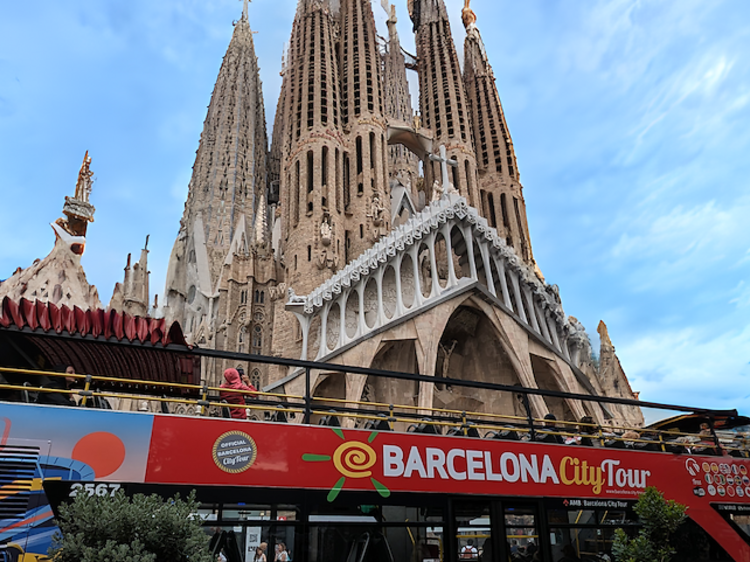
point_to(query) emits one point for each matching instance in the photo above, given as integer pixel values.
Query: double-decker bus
(336, 480)
(336, 492)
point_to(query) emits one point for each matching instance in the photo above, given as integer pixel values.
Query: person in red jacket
(232, 380)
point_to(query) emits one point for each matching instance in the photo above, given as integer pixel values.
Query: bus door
(496, 531)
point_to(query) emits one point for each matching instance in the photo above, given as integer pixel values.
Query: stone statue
(437, 191)
(84, 183)
(326, 232)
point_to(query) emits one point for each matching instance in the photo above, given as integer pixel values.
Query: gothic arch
(471, 347)
(400, 356)
(548, 378)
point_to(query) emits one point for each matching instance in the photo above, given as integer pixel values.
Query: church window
(309, 253)
(295, 194)
(359, 156)
(295, 263)
(504, 211)
(491, 208)
(257, 296)
(257, 337)
(361, 231)
(191, 256)
(324, 167)
(255, 378)
(191, 294)
(372, 151)
(455, 175)
(337, 181)
(347, 181)
(241, 337)
(258, 316)
(310, 170)
(262, 296)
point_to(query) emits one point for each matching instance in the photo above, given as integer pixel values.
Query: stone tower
(501, 199)
(229, 179)
(442, 97)
(132, 295)
(59, 278)
(314, 151)
(403, 165)
(366, 195)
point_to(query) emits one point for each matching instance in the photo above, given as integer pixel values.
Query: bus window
(473, 531)
(521, 531)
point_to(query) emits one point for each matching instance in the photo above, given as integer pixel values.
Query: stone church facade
(365, 235)
(371, 236)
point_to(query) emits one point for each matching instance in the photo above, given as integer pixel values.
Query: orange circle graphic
(104, 452)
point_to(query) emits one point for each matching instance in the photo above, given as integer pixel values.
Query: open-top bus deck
(362, 482)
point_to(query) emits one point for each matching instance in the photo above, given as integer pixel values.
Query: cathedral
(365, 233)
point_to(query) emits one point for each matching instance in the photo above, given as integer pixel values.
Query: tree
(122, 529)
(659, 519)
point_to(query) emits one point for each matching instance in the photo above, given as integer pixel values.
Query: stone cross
(244, 8)
(444, 163)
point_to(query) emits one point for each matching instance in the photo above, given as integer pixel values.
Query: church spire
(312, 150)
(228, 175)
(397, 100)
(501, 199)
(442, 98)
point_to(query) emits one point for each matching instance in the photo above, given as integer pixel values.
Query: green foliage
(123, 529)
(660, 519)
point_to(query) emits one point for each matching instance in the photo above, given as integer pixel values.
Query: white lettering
(414, 463)
(529, 469)
(548, 471)
(494, 476)
(393, 461)
(510, 476)
(455, 474)
(473, 464)
(608, 466)
(436, 462)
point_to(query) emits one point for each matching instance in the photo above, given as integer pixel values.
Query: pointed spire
(261, 221)
(501, 199)
(230, 165)
(442, 97)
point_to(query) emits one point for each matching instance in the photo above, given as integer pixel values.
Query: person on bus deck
(587, 430)
(246, 381)
(58, 383)
(232, 381)
(550, 434)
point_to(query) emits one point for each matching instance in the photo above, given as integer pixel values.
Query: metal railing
(205, 400)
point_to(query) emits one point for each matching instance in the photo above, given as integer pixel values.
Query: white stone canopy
(398, 277)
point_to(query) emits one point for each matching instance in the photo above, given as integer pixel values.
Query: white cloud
(684, 364)
(682, 245)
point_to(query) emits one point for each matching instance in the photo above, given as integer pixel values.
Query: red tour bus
(331, 480)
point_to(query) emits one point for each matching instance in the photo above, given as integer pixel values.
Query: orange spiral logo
(353, 459)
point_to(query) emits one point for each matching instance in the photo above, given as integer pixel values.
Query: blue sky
(631, 122)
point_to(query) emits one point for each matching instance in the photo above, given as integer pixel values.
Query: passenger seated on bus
(550, 434)
(58, 383)
(587, 431)
(628, 436)
(232, 380)
(468, 552)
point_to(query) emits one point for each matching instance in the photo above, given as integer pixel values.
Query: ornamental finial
(468, 16)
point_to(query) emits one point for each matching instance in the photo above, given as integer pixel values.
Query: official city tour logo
(353, 459)
(234, 452)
